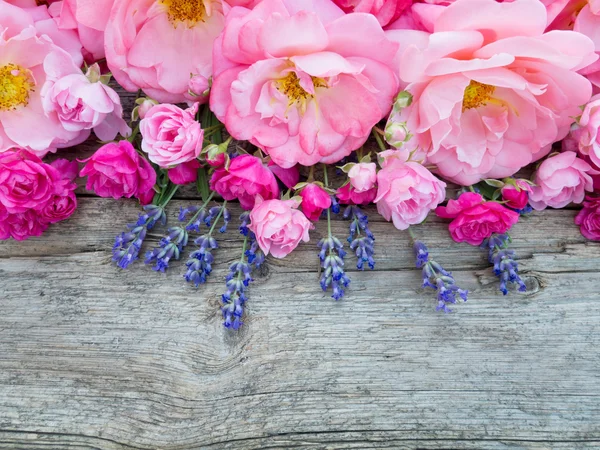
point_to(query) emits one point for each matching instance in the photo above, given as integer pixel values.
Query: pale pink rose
(184, 173)
(491, 89)
(279, 226)
(301, 80)
(116, 170)
(406, 193)
(585, 135)
(245, 179)
(363, 176)
(81, 102)
(161, 67)
(386, 11)
(88, 18)
(22, 54)
(25, 181)
(171, 135)
(560, 180)
(245, 3)
(475, 219)
(314, 201)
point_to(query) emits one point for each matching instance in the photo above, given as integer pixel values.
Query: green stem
(377, 137)
(326, 182)
(169, 196)
(217, 218)
(200, 210)
(202, 184)
(412, 234)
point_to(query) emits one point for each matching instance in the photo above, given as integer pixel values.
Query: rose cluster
(261, 102)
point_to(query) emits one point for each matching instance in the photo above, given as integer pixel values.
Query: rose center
(476, 95)
(290, 86)
(188, 11)
(16, 83)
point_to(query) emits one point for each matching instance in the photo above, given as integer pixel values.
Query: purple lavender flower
(128, 244)
(438, 278)
(363, 245)
(503, 259)
(170, 247)
(234, 298)
(332, 262)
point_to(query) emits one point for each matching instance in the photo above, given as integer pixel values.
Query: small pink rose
(171, 135)
(407, 192)
(62, 205)
(245, 179)
(117, 170)
(363, 176)
(588, 219)
(279, 226)
(476, 219)
(198, 85)
(347, 195)
(517, 195)
(22, 226)
(185, 173)
(314, 201)
(560, 180)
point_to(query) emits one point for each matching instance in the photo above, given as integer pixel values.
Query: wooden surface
(95, 357)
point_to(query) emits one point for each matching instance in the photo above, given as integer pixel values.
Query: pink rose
(407, 191)
(347, 195)
(586, 134)
(245, 179)
(197, 86)
(491, 89)
(117, 170)
(560, 180)
(588, 219)
(184, 173)
(279, 226)
(22, 76)
(386, 11)
(516, 195)
(162, 67)
(314, 201)
(476, 219)
(143, 108)
(62, 205)
(25, 181)
(171, 135)
(21, 226)
(310, 86)
(363, 176)
(67, 169)
(81, 102)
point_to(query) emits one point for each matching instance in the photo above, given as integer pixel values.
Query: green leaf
(494, 183)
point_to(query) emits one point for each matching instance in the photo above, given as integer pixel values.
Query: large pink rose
(279, 226)
(407, 191)
(560, 180)
(171, 135)
(314, 201)
(25, 181)
(386, 11)
(491, 89)
(301, 80)
(245, 179)
(22, 76)
(88, 18)
(476, 219)
(156, 45)
(588, 219)
(64, 202)
(81, 102)
(116, 170)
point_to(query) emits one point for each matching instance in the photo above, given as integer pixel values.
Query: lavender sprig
(234, 298)
(436, 277)
(128, 244)
(170, 247)
(503, 259)
(363, 245)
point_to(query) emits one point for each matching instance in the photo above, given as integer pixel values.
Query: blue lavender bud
(362, 245)
(234, 297)
(335, 205)
(421, 254)
(503, 259)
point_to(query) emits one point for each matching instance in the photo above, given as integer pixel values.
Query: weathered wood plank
(94, 357)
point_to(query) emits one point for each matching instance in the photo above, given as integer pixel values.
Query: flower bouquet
(298, 110)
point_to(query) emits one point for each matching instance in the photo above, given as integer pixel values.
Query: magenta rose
(347, 195)
(314, 201)
(407, 191)
(560, 180)
(363, 176)
(185, 173)
(245, 179)
(588, 219)
(21, 226)
(516, 195)
(116, 170)
(64, 202)
(25, 181)
(171, 135)
(279, 226)
(476, 219)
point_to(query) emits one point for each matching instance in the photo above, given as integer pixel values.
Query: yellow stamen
(476, 95)
(290, 86)
(16, 83)
(189, 12)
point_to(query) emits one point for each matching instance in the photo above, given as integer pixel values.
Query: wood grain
(92, 357)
